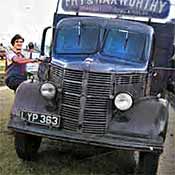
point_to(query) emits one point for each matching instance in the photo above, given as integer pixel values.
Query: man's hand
(34, 60)
(42, 58)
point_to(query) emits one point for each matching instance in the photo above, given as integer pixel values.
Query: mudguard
(147, 118)
(28, 98)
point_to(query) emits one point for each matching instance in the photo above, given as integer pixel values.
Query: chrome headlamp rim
(48, 95)
(128, 96)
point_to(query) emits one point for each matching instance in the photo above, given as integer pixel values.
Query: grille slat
(94, 116)
(91, 125)
(71, 100)
(98, 90)
(73, 75)
(69, 112)
(130, 79)
(96, 103)
(98, 128)
(57, 71)
(72, 87)
(92, 119)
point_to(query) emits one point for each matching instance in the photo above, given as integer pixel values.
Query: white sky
(26, 17)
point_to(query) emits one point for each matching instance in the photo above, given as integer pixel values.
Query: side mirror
(173, 51)
(173, 57)
(171, 85)
(46, 42)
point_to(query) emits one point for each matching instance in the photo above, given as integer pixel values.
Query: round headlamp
(123, 101)
(48, 91)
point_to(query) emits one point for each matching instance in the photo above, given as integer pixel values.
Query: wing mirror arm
(171, 85)
(173, 57)
(43, 40)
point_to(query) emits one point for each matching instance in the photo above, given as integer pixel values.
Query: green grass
(53, 157)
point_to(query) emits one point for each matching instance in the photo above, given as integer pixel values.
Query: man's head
(17, 42)
(31, 46)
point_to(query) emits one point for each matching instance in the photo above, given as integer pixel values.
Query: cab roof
(108, 23)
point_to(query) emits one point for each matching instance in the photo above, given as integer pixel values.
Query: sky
(26, 17)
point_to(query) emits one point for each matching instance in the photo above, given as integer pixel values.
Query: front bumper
(108, 140)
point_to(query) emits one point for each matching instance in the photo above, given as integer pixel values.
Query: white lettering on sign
(107, 2)
(162, 5)
(43, 119)
(72, 3)
(139, 4)
(82, 1)
(35, 117)
(113, 2)
(155, 6)
(55, 121)
(90, 2)
(123, 2)
(132, 3)
(48, 120)
(29, 116)
(146, 5)
(68, 3)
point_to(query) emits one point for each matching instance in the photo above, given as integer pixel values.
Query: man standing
(30, 49)
(2, 51)
(16, 69)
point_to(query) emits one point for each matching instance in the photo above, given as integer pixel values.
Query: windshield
(125, 45)
(77, 39)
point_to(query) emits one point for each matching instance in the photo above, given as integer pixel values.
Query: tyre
(126, 161)
(27, 146)
(147, 164)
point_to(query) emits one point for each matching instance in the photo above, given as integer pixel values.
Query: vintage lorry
(104, 83)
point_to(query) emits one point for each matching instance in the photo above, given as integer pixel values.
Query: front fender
(28, 98)
(147, 118)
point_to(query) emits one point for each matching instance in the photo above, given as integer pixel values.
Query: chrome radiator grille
(86, 95)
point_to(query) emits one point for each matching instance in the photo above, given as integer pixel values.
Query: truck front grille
(86, 95)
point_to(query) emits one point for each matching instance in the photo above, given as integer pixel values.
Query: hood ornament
(88, 60)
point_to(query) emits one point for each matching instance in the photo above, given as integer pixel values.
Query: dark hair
(31, 45)
(16, 37)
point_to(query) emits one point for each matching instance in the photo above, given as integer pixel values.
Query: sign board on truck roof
(156, 9)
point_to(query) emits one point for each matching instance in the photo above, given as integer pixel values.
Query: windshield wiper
(126, 41)
(79, 32)
(126, 38)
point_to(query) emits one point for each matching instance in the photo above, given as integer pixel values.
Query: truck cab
(103, 84)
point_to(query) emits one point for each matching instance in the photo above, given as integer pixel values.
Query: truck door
(163, 75)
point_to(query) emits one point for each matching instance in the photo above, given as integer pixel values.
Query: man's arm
(11, 56)
(22, 60)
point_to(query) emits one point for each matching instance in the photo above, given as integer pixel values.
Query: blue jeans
(14, 81)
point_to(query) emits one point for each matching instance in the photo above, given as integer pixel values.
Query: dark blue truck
(104, 84)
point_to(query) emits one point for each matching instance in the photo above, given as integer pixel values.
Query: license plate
(41, 119)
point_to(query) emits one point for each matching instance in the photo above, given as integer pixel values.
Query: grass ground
(63, 159)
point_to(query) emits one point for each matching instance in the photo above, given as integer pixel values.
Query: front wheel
(148, 163)
(27, 146)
